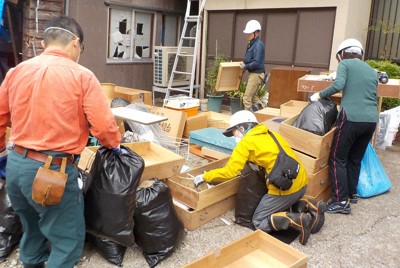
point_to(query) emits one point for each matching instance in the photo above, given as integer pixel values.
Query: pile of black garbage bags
(120, 214)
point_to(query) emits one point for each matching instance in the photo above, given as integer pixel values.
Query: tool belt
(49, 185)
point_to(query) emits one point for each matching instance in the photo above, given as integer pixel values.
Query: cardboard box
(218, 120)
(113, 91)
(257, 249)
(266, 113)
(193, 219)
(312, 164)
(159, 162)
(183, 190)
(292, 108)
(229, 76)
(174, 125)
(194, 123)
(189, 111)
(317, 182)
(304, 141)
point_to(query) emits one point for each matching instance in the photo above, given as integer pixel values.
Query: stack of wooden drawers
(196, 207)
(313, 151)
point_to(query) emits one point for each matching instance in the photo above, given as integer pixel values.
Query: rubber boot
(39, 265)
(298, 221)
(317, 210)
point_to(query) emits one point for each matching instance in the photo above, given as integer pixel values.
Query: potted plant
(214, 96)
(236, 97)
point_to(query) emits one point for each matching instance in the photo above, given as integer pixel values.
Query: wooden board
(137, 116)
(312, 164)
(305, 141)
(292, 108)
(257, 249)
(183, 190)
(193, 219)
(159, 162)
(283, 85)
(317, 182)
(229, 76)
(214, 154)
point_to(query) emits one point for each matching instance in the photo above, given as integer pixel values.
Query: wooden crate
(257, 249)
(193, 219)
(312, 164)
(324, 194)
(292, 108)
(318, 181)
(182, 188)
(266, 113)
(159, 162)
(305, 141)
(229, 76)
(194, 123)
(218, 120)
(113, 91)
(273, 123)
(312, 83)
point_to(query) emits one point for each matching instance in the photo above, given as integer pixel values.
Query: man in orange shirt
(50, 101)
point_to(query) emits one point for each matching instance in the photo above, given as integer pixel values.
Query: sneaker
(353, 198)
(342, 207)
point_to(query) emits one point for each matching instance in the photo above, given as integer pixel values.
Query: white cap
(252, 26)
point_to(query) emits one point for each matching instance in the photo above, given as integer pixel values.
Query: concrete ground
(368, 237)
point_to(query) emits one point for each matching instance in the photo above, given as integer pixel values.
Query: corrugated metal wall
(384, 30)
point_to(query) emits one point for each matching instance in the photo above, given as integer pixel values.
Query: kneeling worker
(255, 144)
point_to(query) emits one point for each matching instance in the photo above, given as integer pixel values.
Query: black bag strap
(276, 141)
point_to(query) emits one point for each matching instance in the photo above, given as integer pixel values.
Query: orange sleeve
(99, 115)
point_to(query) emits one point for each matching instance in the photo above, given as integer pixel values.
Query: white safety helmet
(350, 46)
(240, 117)
(252, 26)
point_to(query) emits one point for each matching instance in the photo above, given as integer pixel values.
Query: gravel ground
(368, 237)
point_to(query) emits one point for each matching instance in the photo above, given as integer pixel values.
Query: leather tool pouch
(49, 185)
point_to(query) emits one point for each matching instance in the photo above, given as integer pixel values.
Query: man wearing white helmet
(256, 145)
(355, 124)
(254, 63)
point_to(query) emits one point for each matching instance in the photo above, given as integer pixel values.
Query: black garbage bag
(10, 232)
(317, 117)
(110, 199)
(113, 252)
(252, 188)
(158, 230)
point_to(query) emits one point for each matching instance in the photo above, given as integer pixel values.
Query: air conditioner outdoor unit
(164, 58)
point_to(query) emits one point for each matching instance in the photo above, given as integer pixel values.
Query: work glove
(315, 97)
(198, 180)
(117, 150)
(242, 65)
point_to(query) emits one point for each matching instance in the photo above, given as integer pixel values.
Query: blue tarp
(1, 12)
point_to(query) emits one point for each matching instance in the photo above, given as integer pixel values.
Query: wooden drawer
(292, 108)
(305, 141)
(182, 188)
(312, 164)
(257, 249)
(318, 181)
(324, 194)
(193, 219)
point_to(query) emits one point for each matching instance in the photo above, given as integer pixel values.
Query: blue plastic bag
(373, 179)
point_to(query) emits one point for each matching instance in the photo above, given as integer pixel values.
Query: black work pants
(349, 143)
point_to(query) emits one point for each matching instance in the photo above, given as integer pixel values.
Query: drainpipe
(66, 7)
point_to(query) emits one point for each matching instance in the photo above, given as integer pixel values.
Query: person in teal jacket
(355, 124)
(255, 145)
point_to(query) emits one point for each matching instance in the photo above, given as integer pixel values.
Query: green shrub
(393, 71)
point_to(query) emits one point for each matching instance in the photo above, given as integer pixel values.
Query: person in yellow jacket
(255, 145)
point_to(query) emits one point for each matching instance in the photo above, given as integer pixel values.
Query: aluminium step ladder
(186, 36)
